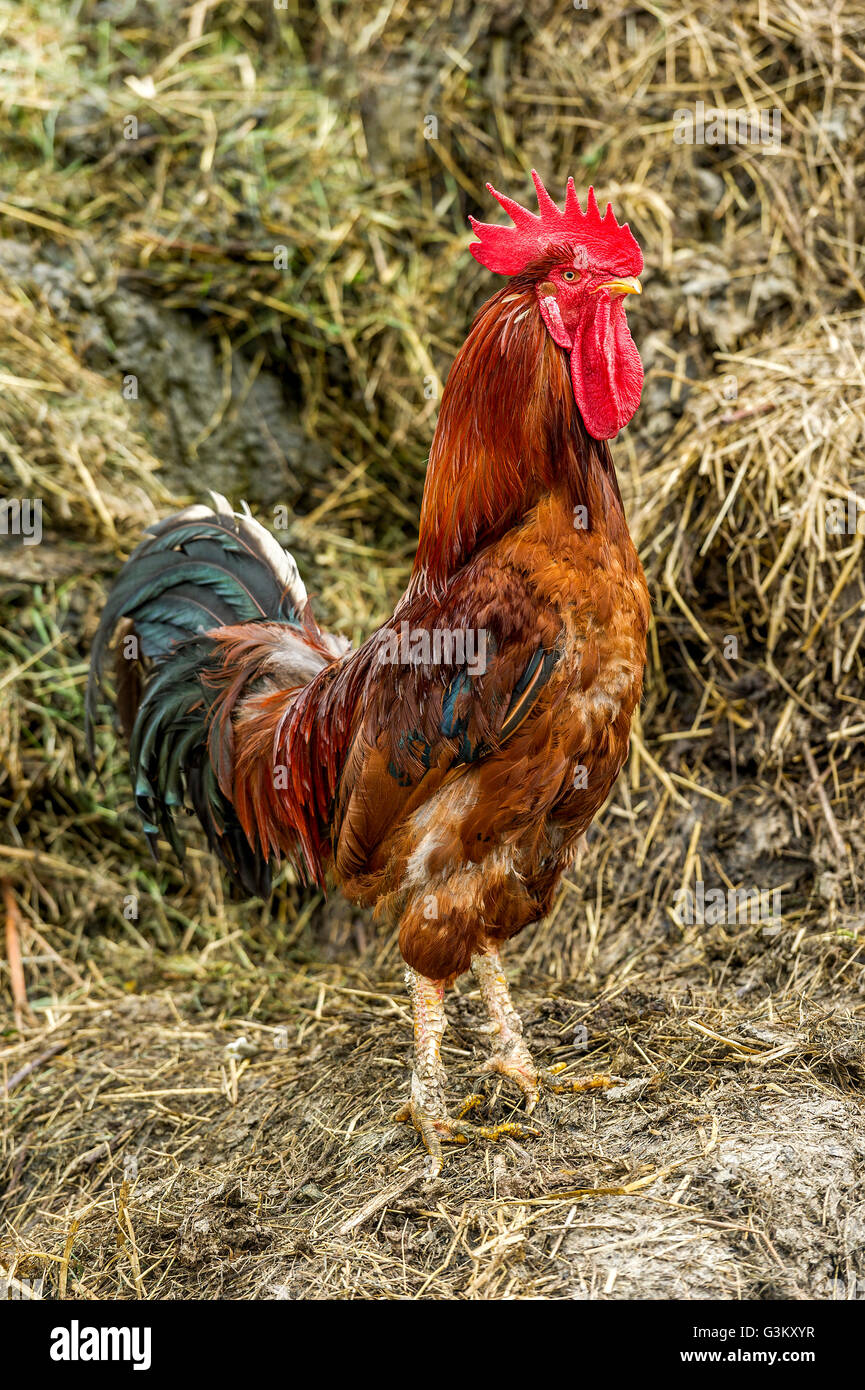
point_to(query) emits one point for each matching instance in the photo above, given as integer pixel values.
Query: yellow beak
(625, 286)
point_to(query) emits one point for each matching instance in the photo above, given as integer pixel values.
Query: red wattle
(606, 370)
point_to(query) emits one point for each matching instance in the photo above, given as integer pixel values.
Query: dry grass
(139, 1158)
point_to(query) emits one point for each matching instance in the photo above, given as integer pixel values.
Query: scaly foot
(511, 1056)
(533, 1080)
(436, 1127)
(426, 1109)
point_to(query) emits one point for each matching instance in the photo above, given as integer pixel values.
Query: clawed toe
(551, 1079)
(521, 1069)
(434, 1130)
(532, 1080)
(504, 1129)
(437, 1128)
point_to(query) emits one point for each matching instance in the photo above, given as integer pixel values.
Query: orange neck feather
(508, 434)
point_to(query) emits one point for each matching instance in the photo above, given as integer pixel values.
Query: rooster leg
(511, 1057)
(426, 1109)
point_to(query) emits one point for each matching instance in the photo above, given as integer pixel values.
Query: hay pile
(278, 258)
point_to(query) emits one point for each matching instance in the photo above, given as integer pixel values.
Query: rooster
(445, 771)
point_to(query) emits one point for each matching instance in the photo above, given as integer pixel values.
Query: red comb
(508, 250)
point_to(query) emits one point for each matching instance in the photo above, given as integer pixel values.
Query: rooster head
(583, 266)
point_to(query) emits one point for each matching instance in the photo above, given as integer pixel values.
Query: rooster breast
(481, 857)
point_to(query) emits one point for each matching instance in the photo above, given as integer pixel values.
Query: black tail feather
(194, 572)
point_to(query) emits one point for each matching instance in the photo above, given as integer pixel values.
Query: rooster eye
(570, 275)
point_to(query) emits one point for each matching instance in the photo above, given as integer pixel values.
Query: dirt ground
(198, 1094)
(216, 1134)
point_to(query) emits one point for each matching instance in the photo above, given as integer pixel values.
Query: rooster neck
(509, 434)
